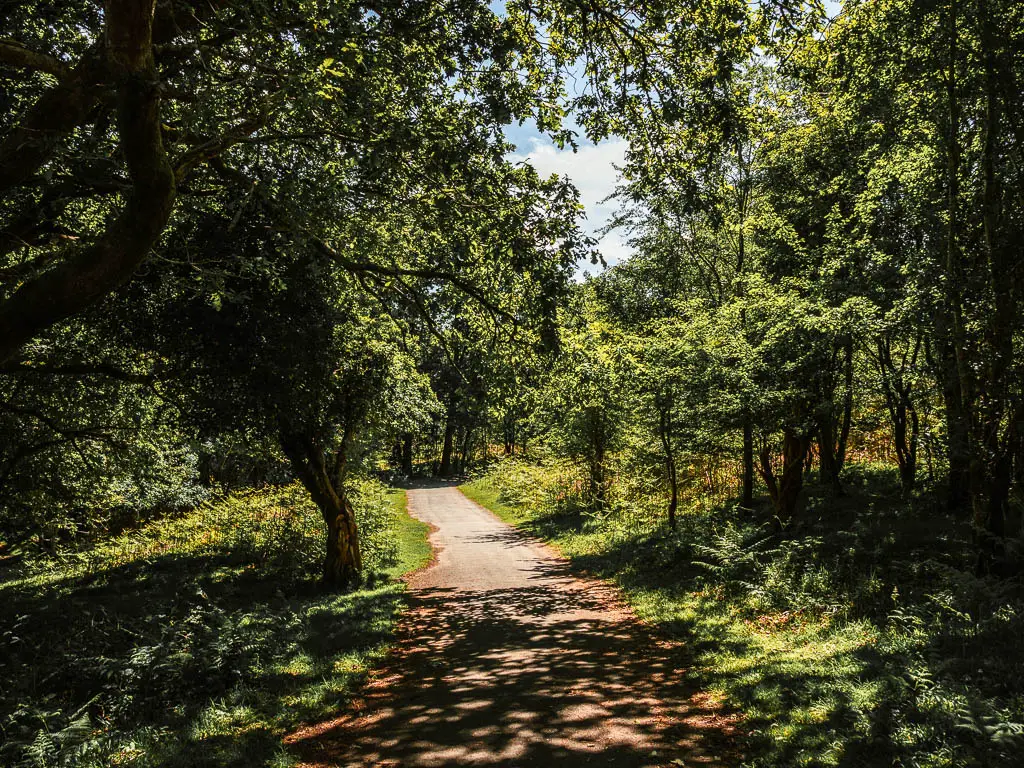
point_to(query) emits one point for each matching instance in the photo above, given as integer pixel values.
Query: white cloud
(592, 170)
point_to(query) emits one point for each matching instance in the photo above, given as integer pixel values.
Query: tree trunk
(991, 459)
(448, 447)
(407, 454)
(747, 499)
(94, 271)
(833, 431)
(342, 560)
(902, 411)
(828, 460)
(665, 432)
(597, 473)
(956, 382)
(906, 445)
(785, 490)
(464, 452)
(957, 434)
(509, 432)
(847, 422)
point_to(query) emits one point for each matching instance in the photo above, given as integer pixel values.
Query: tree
(581, 402)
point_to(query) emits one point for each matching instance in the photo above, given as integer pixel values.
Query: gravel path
(505, 658)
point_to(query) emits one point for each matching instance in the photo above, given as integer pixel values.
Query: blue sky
(592, 168)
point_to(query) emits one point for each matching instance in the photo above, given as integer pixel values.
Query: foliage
(864, 640)
(245, 243)
(191, 641)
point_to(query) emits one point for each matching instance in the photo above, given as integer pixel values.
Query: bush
(278, 527)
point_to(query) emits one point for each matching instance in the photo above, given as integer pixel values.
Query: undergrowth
(197, 640)
(862, 639)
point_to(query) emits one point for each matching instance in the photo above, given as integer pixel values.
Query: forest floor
(862, 638)
(197, 640)
(506, 658)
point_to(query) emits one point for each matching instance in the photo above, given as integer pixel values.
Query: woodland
(264, 264)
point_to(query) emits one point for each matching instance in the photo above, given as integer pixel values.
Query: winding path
(505, 658)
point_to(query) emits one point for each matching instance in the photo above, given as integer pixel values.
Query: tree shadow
(192, 659)
(539, 675)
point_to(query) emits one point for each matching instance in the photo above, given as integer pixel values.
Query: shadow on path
(541, 668)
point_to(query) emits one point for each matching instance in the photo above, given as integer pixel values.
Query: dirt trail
(505, 658)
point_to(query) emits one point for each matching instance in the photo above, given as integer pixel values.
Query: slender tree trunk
(991, 466)
(467, 444)
(448, 447)
(747, 494)
(957, 428)
(905, 444)
(847, 422)
(957, 389)
(665, 432)
(407, 453)
(902, 411)
(834, 432)
(828, 461)
(597, 468)
(747, 498)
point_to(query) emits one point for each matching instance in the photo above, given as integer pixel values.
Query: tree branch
(78, 369)
(96, 270)
(14, 54)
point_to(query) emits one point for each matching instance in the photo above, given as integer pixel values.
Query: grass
(199, 640)
(863, 639)
(414, 551)
(487, 495)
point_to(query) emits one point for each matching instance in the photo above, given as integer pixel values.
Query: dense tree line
(242, 242)
(226, 229)
(836, 259)
(829, 261)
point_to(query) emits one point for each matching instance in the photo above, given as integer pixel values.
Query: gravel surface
(506, 658)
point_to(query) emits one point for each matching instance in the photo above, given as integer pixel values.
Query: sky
(592, 169)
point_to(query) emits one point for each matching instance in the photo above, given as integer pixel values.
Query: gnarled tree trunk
(326, 485)
(94, 271)
(785, 490)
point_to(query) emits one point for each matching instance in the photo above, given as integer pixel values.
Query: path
(507, 659)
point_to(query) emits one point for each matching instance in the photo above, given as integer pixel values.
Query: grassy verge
(414, 550)
(863, 639)
(488, 495)
(199, 640)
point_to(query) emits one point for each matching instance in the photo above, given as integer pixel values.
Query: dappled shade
(519, 662)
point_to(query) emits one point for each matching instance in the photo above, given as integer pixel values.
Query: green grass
(199, 640)
(863, 639)
(487, 495)
(414, 550)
